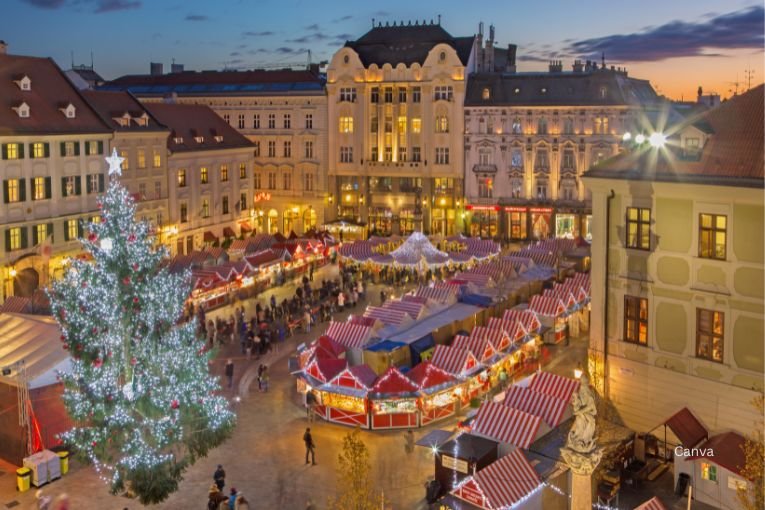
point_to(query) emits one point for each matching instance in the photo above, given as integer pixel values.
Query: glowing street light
(640, 138)
(626, 137)
(657, 140)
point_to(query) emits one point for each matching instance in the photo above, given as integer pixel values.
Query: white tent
(35, 340)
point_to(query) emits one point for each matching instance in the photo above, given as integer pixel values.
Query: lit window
(224, 173)
(713, 236)
(181, 177)
(708, 472)
(12, 151)
(39, 150)
(72, 229)
(635, 320)
(346, 124)
(14, 239)
(157, 160)
(12, 193)
(486, 94)
(141, 159)
(95, 147)
(40, 188)
(242, 170)
(125, 163)
(710, 334)
(639, 228)
(416, 125)
(205, 207)
(204, 177)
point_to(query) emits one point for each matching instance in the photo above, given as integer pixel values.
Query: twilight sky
(677, 44)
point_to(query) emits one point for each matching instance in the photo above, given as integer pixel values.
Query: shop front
(394, 413)
(442, 220)
(347, 406)
(273, 221)
(406, 222)
(380, 221)
(437, 405)
(517, 223)
(290, 220)
(484, 220)
(566, 225)
(541, 222)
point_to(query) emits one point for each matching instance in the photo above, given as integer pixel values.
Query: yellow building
(677, 279)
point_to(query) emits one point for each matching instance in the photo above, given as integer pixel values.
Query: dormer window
(123, 121)
(24, 83)
(486, 94)
(143, 120)
(199, 139)
(178, 140)
(69, 111)
(22, 110)
(219, 138)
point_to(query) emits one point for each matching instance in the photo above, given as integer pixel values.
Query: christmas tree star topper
(115, 163)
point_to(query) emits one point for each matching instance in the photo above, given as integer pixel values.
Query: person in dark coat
(230, 373)
(309, 446)
(220, 477)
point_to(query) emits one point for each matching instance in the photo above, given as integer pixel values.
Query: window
(204, 176)
(348, 183)
(638, 228)
(442, 155)
(69, 149)
(256, 149)
(309, 178)
(374, 95)
(243, 201)
(402, 153)
(517, 127)
(443, 92)
(485, 187)
(601, 125)
(516, 158)
(691, 149)
(708, 472)
(388, 154)
(13, 151)
(227, 118)
(442, 124)
(308, 150)
(382, 184)
(256, 179)
(205, 212)
(96, 184)
(568, 126)
(568, 188)
(542, 162)
(388, 94)
(224, 173)
(542, 126)
(388, 124)
(271, 121)
(287, 121)
(712, 236)
(346, 154)
(346, 124)
(158, 192)
(443, 185)
(484, 156)
(181, 177)
(416, 156)
(410, 184)
(41, 188)
(224, 204)
(516, 187)
(375, 154)
(40, 232)
(401, 95)
(71, 229)
(157, 159)
(256, 121)
(286, 181)
(141, 190)
(126, 162)
(242, 170)
(287, 149)
(95, 148)
(272, 149)
(541, 189)
(569, 161)
(636, 320)
(42, 150)
(184, 212)
(416, 125)
(710, 333)
(348, 94)
(271, 180)
(141, 159)
(14, 191)
(240, 121)
(70, 186)
(13, 239)
(309, 121)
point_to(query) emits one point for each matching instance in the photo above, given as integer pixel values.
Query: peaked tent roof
(728, 451)
(426, 375)
(687, 428)
(507, 425)
(394, 382)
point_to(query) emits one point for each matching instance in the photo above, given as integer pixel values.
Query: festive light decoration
(139, 389)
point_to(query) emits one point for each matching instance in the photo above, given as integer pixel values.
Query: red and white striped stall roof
(426, 375)
(514, 329)
(350, 335)
(501, 484)
(410, 298)
(547, 306)
(506, 425)
(547, 407)
(360, 377)
(387, 315)
(555, 385)
(576, 290)
(482, 280)
(412, 308)
(582, 280)
(362, 321)
(497, 269)
(359, 251)
(500, 339)
(392, 381)
(652, 504)
(540, 258)
(443, 296)
(325, 369)
(479, 345)
(527, 318)
(453, 361)
(563, 294)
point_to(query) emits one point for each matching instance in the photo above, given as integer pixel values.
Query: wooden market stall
(438, 399)
(462, 364)
(319, 372)
(509, 427)
(351, 336)
(345, 396)
(552, 313)
(393, 401)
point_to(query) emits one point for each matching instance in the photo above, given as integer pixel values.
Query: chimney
(176, 68)
(512, 49)
(577, 67)
(3, 47)
(556, 66)
(491, 33)
(699, 94)
(156, 69)
(480, 28)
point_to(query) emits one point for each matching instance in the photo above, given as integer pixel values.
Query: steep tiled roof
(111, 105)
(406, 44)
(50, 91)
(190, 123)
(733, 154)
(564, 88)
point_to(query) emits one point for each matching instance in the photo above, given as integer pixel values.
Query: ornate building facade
(395, 119)
(283, 113)
(530, 136)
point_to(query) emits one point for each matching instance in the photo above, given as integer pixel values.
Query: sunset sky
(678, 44)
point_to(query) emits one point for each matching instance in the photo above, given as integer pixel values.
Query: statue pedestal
(581, 491)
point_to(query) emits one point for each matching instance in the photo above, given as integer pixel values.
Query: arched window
(442, 124)
(516, 158)
(517, 128)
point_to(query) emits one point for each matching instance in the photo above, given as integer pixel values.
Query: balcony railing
(485, 168)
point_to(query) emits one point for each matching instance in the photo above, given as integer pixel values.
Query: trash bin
(432, 491)
(63, 457)
(682, 484)
(23, 479)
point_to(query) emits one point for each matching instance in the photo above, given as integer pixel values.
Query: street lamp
(657, 140)
(578, 371)
(640, 138)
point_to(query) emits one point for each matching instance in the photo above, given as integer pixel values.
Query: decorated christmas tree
(139, 391)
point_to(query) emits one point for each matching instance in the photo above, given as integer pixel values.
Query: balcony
(484, 169)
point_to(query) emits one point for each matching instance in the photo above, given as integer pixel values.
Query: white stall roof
(35, 340)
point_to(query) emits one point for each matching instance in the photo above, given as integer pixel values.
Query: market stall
(553, 384)
(385, 354)
(351, 336)
(415, 310)
(462, 364)
(569, 300)
(388, 316)
(552, 313)
(345, 396)
(393, 401)
(438, 399)
(319, 372)
(322, 347)
(508, 426)
(552, 409)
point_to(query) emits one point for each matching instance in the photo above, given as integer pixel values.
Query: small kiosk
(393, 401)
(461, 364)
(461, 457)
(345, 396)
(438, 399)
(552, 313)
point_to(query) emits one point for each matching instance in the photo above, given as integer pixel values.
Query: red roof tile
(687, 428)
(110, 105)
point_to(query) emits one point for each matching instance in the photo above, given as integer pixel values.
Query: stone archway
(26, 282)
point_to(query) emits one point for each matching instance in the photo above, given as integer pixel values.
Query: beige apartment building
(529, 137)
(395, 118)
(283, 114)
(678, 271)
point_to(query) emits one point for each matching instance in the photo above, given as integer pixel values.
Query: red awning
(687, 428)
(228, 232)
(245, 227)
(726, 450)
(209, 237)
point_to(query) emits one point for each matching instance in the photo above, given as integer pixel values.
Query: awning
(687, 428)
(245, 227)
(228, 232)
(555, 385)
(506, 425)
(547, 407)
(209, 237)
(454, 361)
(352, 336)
(726, 450)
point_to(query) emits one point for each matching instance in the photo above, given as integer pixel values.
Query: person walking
(215, 497)
(265, 379)
(230, 372)
(307, 320)
(232, 499)
(310, 402)
(309, 446)
(220, 477)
